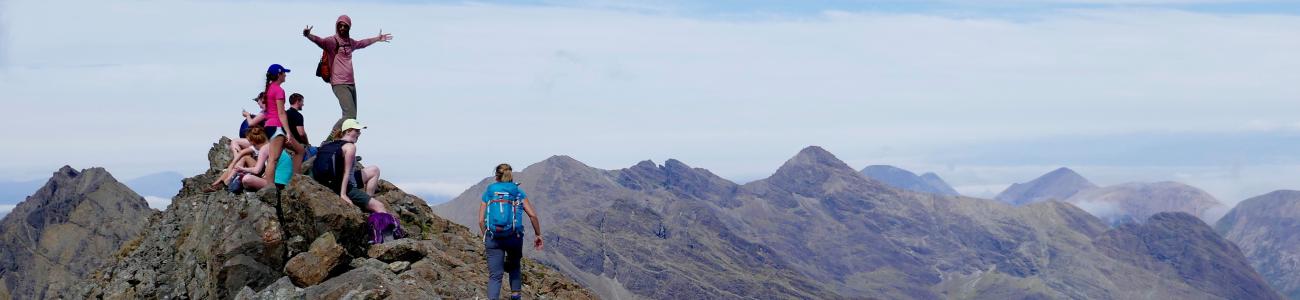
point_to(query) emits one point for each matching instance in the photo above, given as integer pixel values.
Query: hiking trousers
(504, 255)
(347, 94)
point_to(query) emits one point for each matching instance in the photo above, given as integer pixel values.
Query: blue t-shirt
(505, 190)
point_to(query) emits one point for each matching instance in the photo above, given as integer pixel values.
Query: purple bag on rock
(385, 228)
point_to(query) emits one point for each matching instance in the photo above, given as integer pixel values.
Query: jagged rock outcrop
(904, 179)
(1267, 228)
(223, 246)
(66, 231)
(819, 229)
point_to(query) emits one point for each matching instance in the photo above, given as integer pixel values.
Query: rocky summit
(304, 244)
(1267, 228)
(65, 232)
(818, 229)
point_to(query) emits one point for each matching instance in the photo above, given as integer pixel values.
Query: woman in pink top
(338, 48)
(275, 105)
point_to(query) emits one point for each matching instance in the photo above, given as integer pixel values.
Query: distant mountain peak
(561, 160)
(1057, 185)
(646, 164)
(557, 163)
(671, 162)
(813, 157)
(1065, 173)
(904, 179)
(815, 153)
(67, 171)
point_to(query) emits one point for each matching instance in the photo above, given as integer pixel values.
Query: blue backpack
(505, 212)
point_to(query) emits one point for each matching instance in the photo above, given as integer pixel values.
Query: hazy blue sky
(985, 93)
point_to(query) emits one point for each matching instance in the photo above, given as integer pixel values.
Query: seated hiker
(335, 168)
(246, 157)
(250, 120)
(250, 176)
(501, 223)
(295, 126)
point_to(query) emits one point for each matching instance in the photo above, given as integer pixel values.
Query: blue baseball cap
(276, 69)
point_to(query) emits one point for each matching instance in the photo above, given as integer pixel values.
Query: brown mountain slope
(1267, 228)
(817, 226)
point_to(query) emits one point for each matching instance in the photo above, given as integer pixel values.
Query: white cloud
(5, 209)
(445, 189)
(613, 87)
(158, 203)
(1100, 209)
(987, 191)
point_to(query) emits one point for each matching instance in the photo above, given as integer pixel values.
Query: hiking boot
(515, 297)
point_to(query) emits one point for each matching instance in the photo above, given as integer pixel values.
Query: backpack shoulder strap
(338, 43)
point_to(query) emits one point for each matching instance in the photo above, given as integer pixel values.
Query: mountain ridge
(838, 232)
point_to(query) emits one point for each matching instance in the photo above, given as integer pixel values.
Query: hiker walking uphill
(501, 223)
(336, 64)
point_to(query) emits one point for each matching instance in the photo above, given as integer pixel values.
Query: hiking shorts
(359, 198)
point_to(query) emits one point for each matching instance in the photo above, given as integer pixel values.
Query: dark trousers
(504, 255)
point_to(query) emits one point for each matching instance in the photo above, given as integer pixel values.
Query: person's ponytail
(503, 173)
(270, 77)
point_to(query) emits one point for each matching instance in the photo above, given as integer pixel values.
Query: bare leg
(298, 152)
(239, 144)
(245, 161)
(253, 183)
(376, 206)
(276, 145)
(371, 176)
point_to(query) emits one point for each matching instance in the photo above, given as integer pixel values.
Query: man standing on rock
(336, 64)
